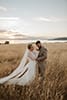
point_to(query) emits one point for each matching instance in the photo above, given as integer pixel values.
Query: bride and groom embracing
(35, 56)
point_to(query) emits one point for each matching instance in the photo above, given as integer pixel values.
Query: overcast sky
(34, 17)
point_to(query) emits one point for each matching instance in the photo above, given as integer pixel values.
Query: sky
(34, 17)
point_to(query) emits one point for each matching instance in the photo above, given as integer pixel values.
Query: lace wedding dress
(25, 73)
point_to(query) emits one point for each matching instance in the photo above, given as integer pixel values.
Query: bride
(25, 72)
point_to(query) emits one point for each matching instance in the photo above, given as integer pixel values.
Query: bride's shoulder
(33, 52)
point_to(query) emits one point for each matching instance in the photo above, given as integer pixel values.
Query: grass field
(55, 83)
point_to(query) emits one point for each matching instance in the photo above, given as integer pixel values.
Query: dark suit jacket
(42, 54)
(41, 60)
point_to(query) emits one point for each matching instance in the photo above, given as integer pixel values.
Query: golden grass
(54, 86)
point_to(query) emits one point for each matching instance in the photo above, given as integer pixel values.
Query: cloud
(42, 19)
(15, 24)
(9, 18)
(9, 22)
(51, 19)
(4, 9)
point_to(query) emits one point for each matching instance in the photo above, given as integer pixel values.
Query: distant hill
(60, 38)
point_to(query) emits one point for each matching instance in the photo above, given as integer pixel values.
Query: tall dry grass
(54, 86)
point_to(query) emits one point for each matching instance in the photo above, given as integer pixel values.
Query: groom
(41, 59)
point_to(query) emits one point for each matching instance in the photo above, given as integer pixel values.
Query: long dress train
(25, 73)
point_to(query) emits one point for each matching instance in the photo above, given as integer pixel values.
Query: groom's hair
(29, 46)
(38, 42)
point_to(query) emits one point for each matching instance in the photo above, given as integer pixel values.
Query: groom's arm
(44, 56)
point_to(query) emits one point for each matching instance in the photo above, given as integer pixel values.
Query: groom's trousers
(41, 69)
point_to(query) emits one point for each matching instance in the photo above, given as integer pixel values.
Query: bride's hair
(29, 46)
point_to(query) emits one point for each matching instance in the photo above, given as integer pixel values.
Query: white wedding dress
(24, 73)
